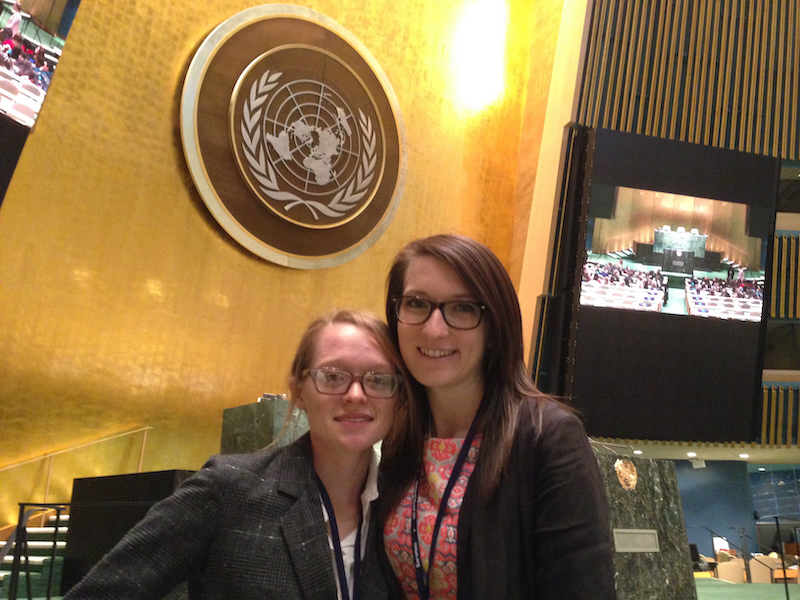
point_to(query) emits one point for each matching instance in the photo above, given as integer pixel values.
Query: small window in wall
(32, 37)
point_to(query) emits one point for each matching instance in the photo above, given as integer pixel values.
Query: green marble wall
(253, 426)
(655, 503)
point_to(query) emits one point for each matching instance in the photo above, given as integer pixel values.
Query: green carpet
(713, 589)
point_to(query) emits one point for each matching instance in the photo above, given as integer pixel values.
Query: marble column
(254, 426)
(643, 495)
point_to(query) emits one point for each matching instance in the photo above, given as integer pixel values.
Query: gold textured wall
(123, 304)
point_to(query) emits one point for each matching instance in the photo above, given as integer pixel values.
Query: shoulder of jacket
(540, 420)
(276, 462)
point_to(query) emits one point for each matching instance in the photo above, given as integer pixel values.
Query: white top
(14, 22)
(348, 544)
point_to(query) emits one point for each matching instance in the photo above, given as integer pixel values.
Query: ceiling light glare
(478, 53)
(691, 454)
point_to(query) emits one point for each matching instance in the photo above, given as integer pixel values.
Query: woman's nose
(436, 326)
(355, 393)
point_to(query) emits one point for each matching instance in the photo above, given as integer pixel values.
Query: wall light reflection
(82, 277)
(219, 299)
(155, 288)
(478, 53)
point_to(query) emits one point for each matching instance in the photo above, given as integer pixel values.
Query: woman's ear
(295, 388)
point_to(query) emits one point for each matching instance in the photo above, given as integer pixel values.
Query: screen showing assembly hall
(672, 254)
(669, 314)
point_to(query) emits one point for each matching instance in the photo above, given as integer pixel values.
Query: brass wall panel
(765, 397)
(774, 292)
(675, 84)
(791, 426)
(725, 70)
(714, 72)
(785, 302)
(662, 33)
(124, 304)
(779, 426)
(646, 63)
(773, 408)
(784, 273)
(792, 272)
(622, 59)
(781, 84)
(793, 64)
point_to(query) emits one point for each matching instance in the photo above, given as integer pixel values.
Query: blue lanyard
(337, 546)
(423, 578)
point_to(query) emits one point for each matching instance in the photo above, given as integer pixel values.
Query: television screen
(32, 37)
(672, 256)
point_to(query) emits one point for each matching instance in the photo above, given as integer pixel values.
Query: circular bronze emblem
(293, 136)
(626, 473)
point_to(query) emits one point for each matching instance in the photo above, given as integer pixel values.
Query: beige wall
(123, 304)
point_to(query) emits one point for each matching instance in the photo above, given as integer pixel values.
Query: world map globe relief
(311, 137)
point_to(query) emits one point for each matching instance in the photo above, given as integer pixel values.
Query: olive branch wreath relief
(261, 168)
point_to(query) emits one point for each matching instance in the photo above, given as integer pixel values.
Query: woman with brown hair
(292, 522)
(492, 489)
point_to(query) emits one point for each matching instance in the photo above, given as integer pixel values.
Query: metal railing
(18, 538)
(50, 455)
(19, 541)
(745, 552)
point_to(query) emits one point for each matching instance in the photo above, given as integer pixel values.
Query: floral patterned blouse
(439, 458)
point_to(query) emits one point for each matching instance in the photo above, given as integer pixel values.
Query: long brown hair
(507, 382)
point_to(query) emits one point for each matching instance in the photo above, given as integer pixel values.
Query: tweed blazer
(245, 526)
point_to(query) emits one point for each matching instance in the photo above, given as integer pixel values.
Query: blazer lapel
(304, 530)
(373, 583)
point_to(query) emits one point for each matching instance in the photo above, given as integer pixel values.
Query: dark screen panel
(12, 139)
(638, 161)
(649, 375)
(604, 198)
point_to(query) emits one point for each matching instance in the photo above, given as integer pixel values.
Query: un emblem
(305, 152)
(293, 136)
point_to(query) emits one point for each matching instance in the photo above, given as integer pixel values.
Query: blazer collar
(303, 525)
(305, 532)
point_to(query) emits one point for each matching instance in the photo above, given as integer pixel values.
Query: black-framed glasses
(458, 314)
(334, 381)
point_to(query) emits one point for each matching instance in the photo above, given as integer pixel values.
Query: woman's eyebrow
(421, 294)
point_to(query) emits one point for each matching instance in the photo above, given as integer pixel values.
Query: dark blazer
(546, 533)
(245, 526)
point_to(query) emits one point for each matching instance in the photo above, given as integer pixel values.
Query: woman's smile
(436, 353)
